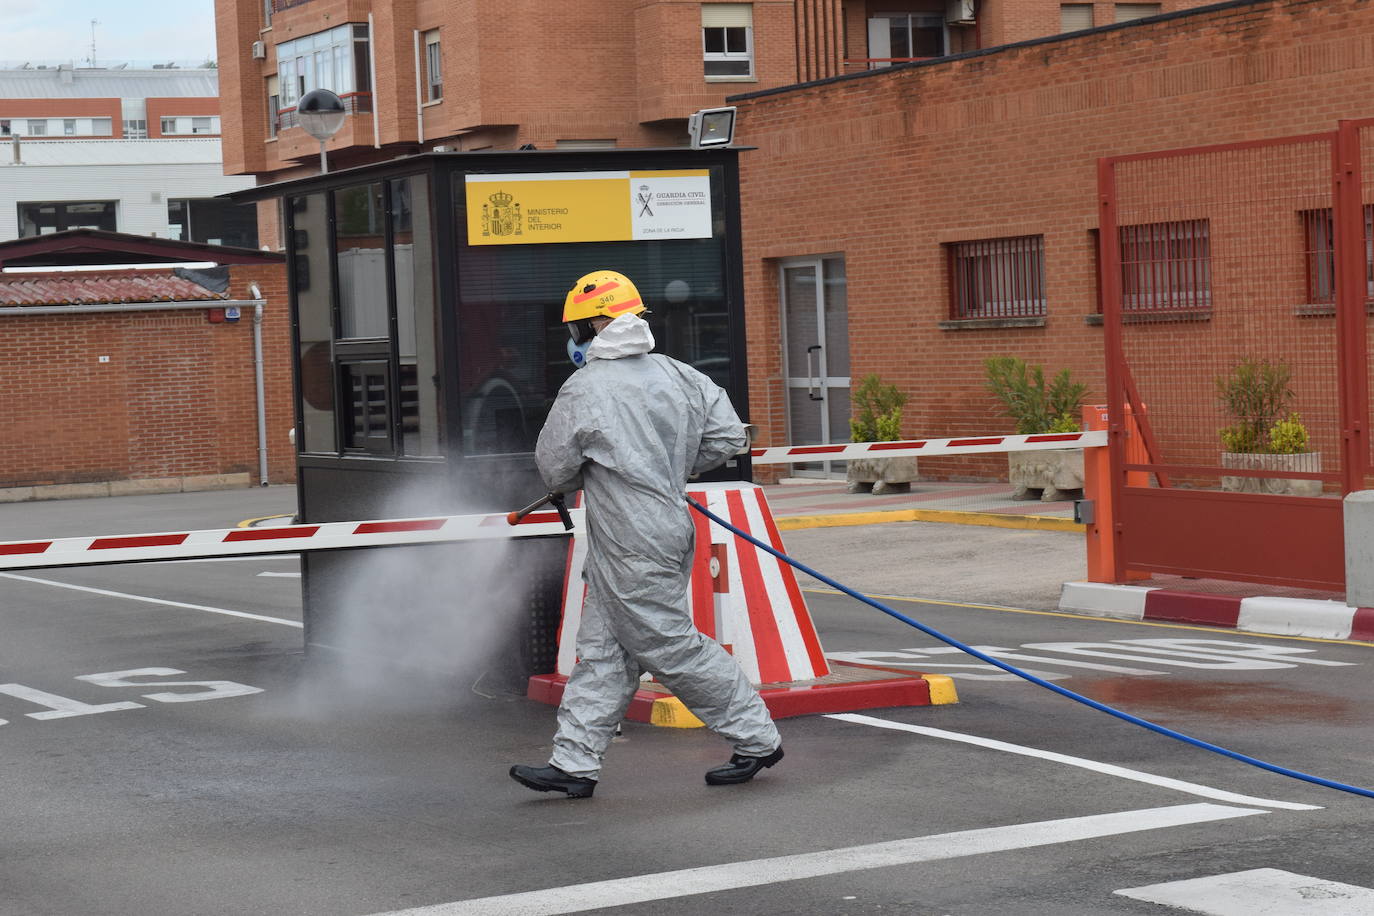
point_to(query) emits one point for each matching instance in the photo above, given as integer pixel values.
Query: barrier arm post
(1102, 542)
(1097, 469)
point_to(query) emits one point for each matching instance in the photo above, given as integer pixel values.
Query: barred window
(1166, 266)
(998, 278)
(1319, 254)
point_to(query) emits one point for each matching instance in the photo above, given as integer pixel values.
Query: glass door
(815, 319)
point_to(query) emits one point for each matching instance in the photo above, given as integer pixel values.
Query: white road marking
(281, 575)
(1259, 892)
(1108, 769)
(729, 876)
(146, 600)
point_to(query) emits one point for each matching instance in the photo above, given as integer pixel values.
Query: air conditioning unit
(259, 51)
(959, 12)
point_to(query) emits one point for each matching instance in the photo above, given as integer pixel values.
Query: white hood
(628, 335)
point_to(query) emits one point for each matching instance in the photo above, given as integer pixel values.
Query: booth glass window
(363, 258)
(311, 281)
(417, 319)
(360, 242)
(512, 344)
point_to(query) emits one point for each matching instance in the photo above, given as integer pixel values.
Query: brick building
(140, 380)
(948, 211)
(481, 74)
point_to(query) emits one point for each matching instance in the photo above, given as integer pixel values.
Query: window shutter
(1126, 12)
(1075, 16)
(726, 15)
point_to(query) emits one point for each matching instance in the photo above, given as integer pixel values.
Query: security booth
(426, 296)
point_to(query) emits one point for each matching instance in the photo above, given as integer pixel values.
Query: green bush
(1288, 436)
(1035, 406)
(877, 413)
(1256, 394)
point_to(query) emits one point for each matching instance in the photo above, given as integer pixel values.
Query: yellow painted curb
(670, 712)
(941, 689)
(948, 516)
(250, 522)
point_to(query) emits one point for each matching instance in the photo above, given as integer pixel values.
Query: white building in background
(119, 149)
(163, 188)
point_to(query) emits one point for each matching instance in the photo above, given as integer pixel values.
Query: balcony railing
(279, 5)
(354, 103)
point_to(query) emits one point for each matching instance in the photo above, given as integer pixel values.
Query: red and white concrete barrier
(915, 448)
(179, 545)
(1251, 613)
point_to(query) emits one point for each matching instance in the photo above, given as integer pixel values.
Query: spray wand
(552, 498)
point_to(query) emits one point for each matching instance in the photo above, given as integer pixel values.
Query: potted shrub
(877, 417)
(1266, 435)
(1039, 407)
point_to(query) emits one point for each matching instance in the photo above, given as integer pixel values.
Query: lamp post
(321, 113)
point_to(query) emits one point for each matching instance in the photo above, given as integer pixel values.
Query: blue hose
(1101, 707)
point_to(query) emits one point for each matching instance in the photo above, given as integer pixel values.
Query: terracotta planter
(1048, 473)
(881, 475)
(1308, 462)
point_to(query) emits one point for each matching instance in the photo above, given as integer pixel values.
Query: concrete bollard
(1359, 549)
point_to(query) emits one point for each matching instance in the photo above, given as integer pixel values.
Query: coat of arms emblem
(501, 216)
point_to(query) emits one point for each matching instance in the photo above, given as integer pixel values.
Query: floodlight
(712, 127)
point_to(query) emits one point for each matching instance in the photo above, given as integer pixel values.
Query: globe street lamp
(321, 113)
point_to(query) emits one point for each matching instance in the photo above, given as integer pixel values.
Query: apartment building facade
(481, 74)
(117, 149)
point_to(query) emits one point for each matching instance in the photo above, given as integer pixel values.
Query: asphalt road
(166, 754)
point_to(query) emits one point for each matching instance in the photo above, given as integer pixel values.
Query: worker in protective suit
(629, 428)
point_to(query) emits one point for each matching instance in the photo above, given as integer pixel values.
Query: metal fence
(1235, 283)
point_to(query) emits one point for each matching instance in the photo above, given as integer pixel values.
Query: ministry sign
(540, 208)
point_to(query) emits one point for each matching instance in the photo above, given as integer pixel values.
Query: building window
(1320, 254)
(895, 38)
(41, 218)
(69, 127)
(336, 60)
(101, 127)
(38, 127)
(998, 278)
(727, 38)
(180, 125)
(1074, 17)
(273, 107)
(136, 130)
(5, 128)
(434, 67)
(212, 221)
(1166, 266)
(1129, 12)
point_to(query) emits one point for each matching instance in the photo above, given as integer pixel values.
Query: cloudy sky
(137, 30)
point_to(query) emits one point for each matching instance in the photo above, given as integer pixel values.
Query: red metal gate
(1227, 271)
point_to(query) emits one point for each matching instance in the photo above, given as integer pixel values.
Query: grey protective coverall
(629, 428)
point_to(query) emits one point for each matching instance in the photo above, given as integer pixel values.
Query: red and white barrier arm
(185, 545)
(916, 448)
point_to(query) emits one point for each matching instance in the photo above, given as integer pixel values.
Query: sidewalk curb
(947, 516)
(1252, 614)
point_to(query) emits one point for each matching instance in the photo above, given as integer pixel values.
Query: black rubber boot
(552, 779)
(741, 769)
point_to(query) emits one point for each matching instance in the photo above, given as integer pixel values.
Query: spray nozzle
(552, 498)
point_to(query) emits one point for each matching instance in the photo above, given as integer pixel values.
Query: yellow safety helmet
(599, 294)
